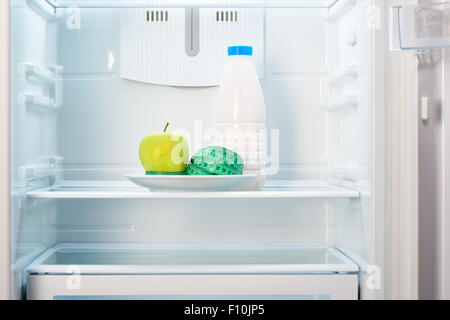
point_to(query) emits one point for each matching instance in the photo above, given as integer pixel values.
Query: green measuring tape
(215, 161)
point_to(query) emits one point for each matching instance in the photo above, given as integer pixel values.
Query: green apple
(164, 152)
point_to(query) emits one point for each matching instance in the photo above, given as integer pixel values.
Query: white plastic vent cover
(186, 47)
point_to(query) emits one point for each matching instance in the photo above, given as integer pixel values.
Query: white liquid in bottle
(241, 114)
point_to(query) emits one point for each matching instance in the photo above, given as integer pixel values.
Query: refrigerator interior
(76, 125)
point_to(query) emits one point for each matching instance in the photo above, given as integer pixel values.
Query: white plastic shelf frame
(417, 27)
(185, 258)
(193, 3)
(192, 271)
(127, 190)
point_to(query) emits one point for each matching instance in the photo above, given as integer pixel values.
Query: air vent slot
(157, 16)
(226, 16)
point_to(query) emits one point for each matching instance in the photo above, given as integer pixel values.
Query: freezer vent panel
(190, 48)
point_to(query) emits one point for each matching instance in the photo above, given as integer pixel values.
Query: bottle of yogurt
(241, 114)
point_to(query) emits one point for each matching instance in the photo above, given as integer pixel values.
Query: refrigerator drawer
(192, 271)
(192, 287)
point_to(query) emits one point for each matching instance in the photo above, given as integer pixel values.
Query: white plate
(186, 183)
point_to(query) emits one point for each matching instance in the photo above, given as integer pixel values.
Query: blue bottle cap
(240, 51)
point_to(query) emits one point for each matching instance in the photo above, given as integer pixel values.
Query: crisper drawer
(174, 271)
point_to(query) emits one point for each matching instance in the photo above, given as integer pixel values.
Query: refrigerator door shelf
(182, 258)
(420, 27)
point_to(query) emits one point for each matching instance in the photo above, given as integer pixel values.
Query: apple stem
(166, 127)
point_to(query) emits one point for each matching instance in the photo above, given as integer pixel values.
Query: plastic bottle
(241, 114)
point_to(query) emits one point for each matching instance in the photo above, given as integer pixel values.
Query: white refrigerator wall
(349, 128)
(104, 118)
(325, 133)
(33, 137)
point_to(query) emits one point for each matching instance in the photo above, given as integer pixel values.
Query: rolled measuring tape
(215, 161)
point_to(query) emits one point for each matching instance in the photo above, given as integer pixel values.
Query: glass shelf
(181, 258)
(188, 3)
(127, 190)
(424, 26)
